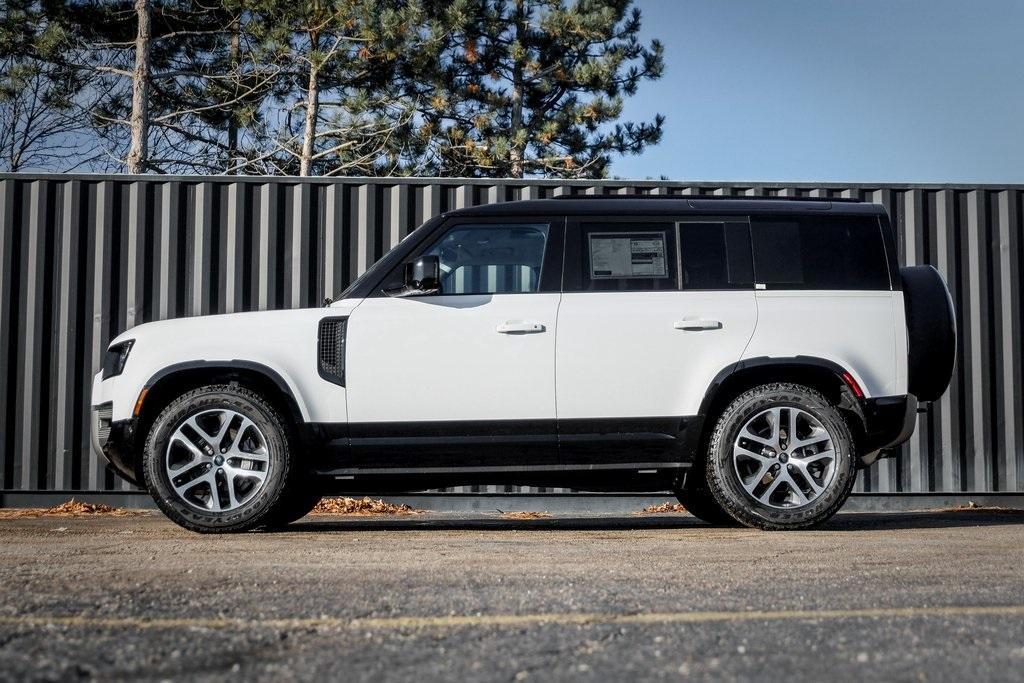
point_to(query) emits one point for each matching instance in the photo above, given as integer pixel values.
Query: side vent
(330, 352)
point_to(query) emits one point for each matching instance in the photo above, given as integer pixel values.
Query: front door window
(491, 259)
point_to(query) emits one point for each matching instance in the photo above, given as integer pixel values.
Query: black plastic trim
(333, 376)
(119, 449)
(767, 361)
(891, 254)
(234, 364)
(888, 421)
(633, 439)
(113, 355)
(671, 205)
(618, 478)
(500, 469)
(498, 444)
(447, 444)
(714, 198)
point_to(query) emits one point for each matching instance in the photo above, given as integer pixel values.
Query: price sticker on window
(627, 255)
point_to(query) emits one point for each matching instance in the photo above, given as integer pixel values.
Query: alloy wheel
(784, 457)
(217, 460)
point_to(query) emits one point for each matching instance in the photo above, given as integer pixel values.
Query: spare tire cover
(931, 332)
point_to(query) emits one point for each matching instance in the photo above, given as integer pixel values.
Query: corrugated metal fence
(84, 257)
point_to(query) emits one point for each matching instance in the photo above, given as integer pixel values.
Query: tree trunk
(312, 109)
(138, 151)
(234, 52)
(516, 151)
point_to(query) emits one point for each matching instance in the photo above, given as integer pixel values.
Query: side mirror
(423, 274)
(422, 277)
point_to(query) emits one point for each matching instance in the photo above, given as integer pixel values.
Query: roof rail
(847, 200)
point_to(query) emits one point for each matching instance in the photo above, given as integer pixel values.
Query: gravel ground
(912, 596)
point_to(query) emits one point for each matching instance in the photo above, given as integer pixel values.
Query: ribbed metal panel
(84, 257)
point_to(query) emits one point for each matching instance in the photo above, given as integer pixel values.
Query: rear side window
(629, 257)
(715, 255)
(819, 252)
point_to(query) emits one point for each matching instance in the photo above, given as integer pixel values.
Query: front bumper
(888, 422)
(115, 441)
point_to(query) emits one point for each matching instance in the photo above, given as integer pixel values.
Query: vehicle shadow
(857, 521)
(937, 519)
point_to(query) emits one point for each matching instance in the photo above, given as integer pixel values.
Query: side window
(628, 257)
(491, 259)
(715, 255)
(819, 252)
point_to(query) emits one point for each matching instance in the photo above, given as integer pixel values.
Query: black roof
(655, 205)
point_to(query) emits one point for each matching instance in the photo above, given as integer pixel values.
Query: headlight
(117, 356)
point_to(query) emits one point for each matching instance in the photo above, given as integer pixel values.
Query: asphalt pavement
(910, 596)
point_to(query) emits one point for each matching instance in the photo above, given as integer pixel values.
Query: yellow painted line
(513, 620)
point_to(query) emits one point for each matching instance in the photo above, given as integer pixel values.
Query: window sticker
(627, 255)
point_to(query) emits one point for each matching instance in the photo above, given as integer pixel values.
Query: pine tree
(42, 98)
(326, 87)
(176, 76)
(535, 87)
(225, 99)
(335, 110)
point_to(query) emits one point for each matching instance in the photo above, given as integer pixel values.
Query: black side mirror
(423, 274)
(422, 277)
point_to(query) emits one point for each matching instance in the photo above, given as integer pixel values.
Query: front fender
(282, 345)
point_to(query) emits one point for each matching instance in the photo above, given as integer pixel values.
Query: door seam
(750, 339)
(554, 365)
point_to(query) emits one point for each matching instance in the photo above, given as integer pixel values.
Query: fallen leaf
(526, 514)
(71, 508)
(663, 508)
(364, 506)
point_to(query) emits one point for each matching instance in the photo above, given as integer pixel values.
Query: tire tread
(714, 478)
(232, 391)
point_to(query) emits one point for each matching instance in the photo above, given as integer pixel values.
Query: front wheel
(698, 501)
(781, 457)
(299, 504)
(218, 460)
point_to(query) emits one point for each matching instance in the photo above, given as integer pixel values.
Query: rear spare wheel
(931, 332)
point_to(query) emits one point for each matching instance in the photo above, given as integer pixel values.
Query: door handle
(697, 324)
(519, 327)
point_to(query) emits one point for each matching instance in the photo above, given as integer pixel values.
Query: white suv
(748, 355)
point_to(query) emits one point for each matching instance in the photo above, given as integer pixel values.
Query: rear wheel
(781, 457)
(218, 459)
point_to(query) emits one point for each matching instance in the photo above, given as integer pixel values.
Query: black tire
(931, 332)
(725, 485)
(299, 504)
(281, 474)
(698, 501)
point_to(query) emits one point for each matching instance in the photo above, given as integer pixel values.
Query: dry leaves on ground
(663, 508)
(364, 506)
(972, 506)
(526, 514)
(71, 508)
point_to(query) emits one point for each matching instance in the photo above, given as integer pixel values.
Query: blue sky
(861, 90)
